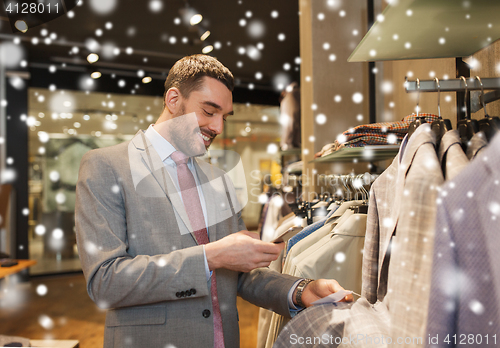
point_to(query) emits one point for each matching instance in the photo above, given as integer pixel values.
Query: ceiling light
(96, 75)
(207, 49)
(92, 58)
(195, 19)
(21, 26)
(147, 79)
(205, 35)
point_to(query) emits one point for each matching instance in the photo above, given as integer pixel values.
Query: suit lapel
(157, 168)
(422, 136)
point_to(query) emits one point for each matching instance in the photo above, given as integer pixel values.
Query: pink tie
(192, 204)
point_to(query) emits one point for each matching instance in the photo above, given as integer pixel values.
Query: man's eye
(208, 113)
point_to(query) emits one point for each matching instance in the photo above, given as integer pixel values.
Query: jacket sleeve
(114, 277)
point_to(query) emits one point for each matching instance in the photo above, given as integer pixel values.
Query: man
(142, 214)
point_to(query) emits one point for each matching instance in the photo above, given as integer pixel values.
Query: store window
(65, 124)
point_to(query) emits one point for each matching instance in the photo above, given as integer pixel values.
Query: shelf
(433, 28)
(291, 152)
(369, 153)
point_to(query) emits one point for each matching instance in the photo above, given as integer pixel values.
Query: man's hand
(242, 252)
(318, 289)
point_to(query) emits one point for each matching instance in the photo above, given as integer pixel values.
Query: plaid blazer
(466, 266)
(358, 324)
(384, 128)
(397, 256)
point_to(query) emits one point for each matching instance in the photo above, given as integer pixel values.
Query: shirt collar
(160, 144)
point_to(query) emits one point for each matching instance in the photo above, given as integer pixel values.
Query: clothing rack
(466, 126)
(453, 85)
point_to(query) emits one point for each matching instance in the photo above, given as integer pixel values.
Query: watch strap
(300, 289)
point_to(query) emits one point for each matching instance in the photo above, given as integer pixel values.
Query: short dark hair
(187, 74)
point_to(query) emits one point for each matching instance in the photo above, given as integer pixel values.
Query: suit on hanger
(478, 143)
(465, 283)
(141, 261)
(402, 212)
(451, 155)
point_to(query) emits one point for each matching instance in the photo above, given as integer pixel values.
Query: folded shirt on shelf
(383, 133)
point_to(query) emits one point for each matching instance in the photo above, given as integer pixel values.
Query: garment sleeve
(371, 252)
(443, 300)
(114, 277)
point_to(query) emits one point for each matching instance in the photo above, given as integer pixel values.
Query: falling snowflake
(46, 322)
(256, 29)
(387, 222)
(41, 290)
(155, 6)
(102, 7)
(40, 230)
(321, 119)
(494, 208)
(476, 307)
(357, 97)
(253, 53)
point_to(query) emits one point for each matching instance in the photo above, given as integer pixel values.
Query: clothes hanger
(363, 207)
(419, 120)
(466, 127)
(489, 125)
(345, 181)
(440, 126)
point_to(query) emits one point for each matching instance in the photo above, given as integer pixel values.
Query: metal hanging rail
(453, 85)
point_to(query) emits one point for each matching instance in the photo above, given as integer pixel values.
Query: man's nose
(217, 125)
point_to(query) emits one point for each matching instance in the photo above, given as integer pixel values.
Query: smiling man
(157, 247)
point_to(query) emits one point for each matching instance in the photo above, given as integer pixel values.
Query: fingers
(334, 285)
(270, 248)
(253, 235)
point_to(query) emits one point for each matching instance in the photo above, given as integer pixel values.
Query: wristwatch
(300, 289)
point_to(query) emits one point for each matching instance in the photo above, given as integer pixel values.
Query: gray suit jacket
(143, 264)
(466, 269)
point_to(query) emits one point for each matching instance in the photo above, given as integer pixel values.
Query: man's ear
(173, 100)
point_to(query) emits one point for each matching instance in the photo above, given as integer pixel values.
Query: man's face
(212, 104)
